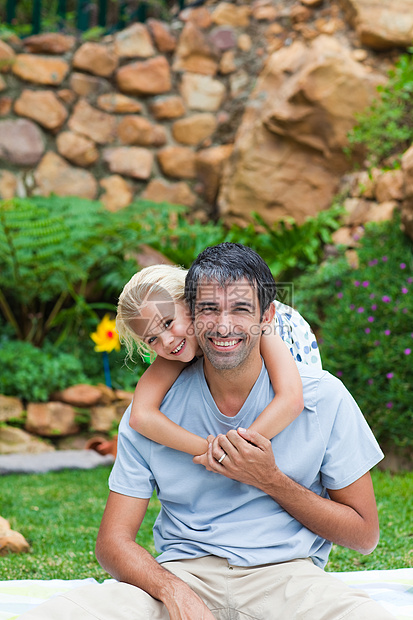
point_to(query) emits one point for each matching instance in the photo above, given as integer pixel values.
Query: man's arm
(119, 554)
(349, 518)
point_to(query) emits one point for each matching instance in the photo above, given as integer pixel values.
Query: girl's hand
(202, 459)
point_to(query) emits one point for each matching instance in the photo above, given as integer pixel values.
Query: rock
(311, 3)
(223, 38)
(2, 84)
(16, 441)
(96, 58)
(85, 85)
(199, 16)
(159, 190)
(40, 69)
(10, 407)
(55, 176)
(51, 419)
(344, 236)
(118, 193)
(21, 142)
(244, 42)
(102, 419)
(10, 540)
(202, 92)
(41, 106)
(150, 77)
(95, 124)
(115, 103)
(407, 207)
(146, 257)
(66, 95)
(195, 52)
(134, 41)
(79, 150)
(131, 161)
(381, 24)
(7, 56)
(230, 15)
(288, 156)
(165, 41)
(5, 105)
(357, 211)
(194, 129)
(390, 186)
(164, 108)
(209, 166)
(227, 63)
(8, 185)
(264, 11)
(49, 43)
(177, 162)
(383, 211)
(80, 395)
(138, 130)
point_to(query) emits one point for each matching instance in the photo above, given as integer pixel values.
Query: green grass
(59, 514)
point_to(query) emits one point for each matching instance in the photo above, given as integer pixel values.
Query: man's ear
(268, 315)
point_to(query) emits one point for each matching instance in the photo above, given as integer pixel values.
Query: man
(245, 531)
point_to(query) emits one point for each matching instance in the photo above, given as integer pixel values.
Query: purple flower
(365, 283)
(404, 290)
(371, 319)
(367, 330)
(387, 332)
(374, 307)
(356, 283)
(384, 259)
(370, 381)
(407, 351)
(386, 299)
(339, 373)
(402, 265)
(376, 343)
(339, 295)
(410, 280)
(360, 310)
(373, 262)
(338, 282)
(372, 296)
(352, 306)
(389, 405)
(390, 375)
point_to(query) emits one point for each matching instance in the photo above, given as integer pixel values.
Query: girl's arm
(288, 401)
(149, 421)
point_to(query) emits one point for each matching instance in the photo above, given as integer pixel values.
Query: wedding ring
(222, 457)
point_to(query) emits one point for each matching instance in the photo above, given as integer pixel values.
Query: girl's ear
(268, 315)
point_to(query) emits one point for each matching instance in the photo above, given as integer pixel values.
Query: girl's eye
(151, 340)
(167, 323)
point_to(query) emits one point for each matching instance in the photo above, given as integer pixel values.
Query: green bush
(385, 128)
(33, 374)
(364, 322)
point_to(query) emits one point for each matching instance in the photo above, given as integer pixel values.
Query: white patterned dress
(297, 335)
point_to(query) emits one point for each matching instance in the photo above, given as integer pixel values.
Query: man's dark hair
(227, 263)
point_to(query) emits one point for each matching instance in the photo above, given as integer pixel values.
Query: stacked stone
(234, 107)
(58, 419)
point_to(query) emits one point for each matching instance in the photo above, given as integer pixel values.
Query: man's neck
(230, 388)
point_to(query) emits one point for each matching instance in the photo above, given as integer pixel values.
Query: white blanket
(391, 588)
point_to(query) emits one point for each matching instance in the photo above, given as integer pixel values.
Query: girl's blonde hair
(151, 282)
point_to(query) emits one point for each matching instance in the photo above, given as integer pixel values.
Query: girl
(153, 316)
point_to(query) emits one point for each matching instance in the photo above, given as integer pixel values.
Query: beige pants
(295, 590)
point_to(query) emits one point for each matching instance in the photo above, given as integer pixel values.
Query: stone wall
(68, 421)
(232, 107)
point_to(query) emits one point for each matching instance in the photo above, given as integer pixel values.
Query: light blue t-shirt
(328, 446)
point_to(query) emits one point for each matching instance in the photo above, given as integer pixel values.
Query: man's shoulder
(318, 384)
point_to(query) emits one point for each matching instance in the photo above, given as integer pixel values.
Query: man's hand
(249, 457)
(186, 605)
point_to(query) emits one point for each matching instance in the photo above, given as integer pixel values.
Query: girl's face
(167, 329)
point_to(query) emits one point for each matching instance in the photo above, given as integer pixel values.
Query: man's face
(227, 323)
